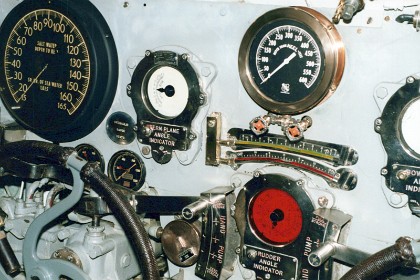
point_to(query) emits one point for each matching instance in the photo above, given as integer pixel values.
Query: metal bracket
(53, 269)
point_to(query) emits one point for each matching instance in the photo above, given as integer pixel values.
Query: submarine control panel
(209, 139)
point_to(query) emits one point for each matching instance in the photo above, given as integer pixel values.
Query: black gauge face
(286, 61)
(127, 169)
(56, 67)
(90, 154)
(290, 60)
(120, 128)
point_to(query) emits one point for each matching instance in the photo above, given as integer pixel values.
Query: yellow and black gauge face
(291, 59)
(51, 75)
(51, 27)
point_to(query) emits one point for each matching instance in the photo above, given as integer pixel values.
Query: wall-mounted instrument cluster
(207, 139)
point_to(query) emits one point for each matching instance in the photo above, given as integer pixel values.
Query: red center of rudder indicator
(275, 217)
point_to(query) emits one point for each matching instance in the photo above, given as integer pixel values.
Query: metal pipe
(337, 251)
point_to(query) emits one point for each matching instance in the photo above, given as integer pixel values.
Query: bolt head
(410, 80)
(322, 201)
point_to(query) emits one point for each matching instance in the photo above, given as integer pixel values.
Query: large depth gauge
(59, 67)
(291, 59)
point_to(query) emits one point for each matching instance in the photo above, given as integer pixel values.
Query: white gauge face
(409, 126)
(167, 91)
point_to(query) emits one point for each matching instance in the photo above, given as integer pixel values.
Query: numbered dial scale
(59, 64)
(91, 154)
(127, 169)
(291, 59)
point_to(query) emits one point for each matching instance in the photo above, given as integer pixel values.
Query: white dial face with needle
(167, 91)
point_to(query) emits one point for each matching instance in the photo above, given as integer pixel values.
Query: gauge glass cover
(275, 217)
(167, 91)
(90, 154)
(127, 169)
(59, 64)
(290, 60)
(410, 126)
(287, 61)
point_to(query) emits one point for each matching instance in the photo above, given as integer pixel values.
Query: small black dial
(127, 169)
(90, 154)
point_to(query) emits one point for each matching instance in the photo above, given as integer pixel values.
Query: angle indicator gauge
(58, 65)
(275, 216)
(166, 94)
(291, 59)
(165, 88)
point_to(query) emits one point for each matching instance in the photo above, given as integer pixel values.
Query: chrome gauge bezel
(330, 44)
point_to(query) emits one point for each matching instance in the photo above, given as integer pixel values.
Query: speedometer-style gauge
(91, 154)
(127, 169)
(290, 60)
(59, 67)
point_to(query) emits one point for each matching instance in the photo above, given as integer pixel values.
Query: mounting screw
(145, 150)
(185, 56)
(251, 254)
(410, 80)
(147, 53)
(322, 201)
(211, 123)
(384, 171)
